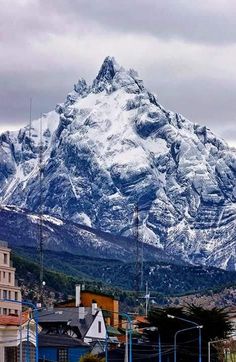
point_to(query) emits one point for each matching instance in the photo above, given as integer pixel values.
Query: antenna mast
(139, 254)
(30, 117)
(41, 208)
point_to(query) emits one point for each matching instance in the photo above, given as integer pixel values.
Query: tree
(91, 358)
(215, 326)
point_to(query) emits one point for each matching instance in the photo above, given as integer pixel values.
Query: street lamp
(153, 329)
(106, 346)
(129, 321)
(195, 325)
(213, 342)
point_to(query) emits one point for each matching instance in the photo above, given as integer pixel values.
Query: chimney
(94, 307)
(81, 312)
(77, 295)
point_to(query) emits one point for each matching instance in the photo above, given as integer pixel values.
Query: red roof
(141, 319)
(11, 320)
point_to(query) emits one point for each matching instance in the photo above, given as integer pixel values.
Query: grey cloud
(192, 21)
(206, 101)
(169, 19)
(34, 64)
(45, 91)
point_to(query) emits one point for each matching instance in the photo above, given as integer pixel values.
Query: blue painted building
(61, 348)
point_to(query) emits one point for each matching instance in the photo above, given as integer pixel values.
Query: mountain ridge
(110, 147)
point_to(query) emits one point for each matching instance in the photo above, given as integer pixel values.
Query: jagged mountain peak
(108, 69)
(112, 76)
(81, 87)
(113, 146)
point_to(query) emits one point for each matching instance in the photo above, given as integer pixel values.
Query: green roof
(113, 331)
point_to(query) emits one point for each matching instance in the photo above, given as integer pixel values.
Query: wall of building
(76, 353)
(104, 302)
(8, 287)
(10, 337)
(94, 332)
(51, 353)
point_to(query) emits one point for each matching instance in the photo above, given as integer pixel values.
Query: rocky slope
(111, 147)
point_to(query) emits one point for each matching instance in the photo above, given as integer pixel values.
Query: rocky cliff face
(111, 147)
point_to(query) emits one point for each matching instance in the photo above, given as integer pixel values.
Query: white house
(97, 329)
(84, 323)
(17, 333)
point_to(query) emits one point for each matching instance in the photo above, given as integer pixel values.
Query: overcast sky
(184, 50)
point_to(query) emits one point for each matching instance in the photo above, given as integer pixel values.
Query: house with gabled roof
(68, 332)
(16, 330)
(86, 324)
(61, 348)
(104, 301)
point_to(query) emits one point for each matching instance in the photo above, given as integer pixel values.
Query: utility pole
(137, 256)
(126, 343)
(21, 349)
(147, 297)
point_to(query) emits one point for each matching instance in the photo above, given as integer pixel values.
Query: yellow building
(8, 285)
(102, 301)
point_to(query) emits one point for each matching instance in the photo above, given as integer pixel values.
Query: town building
(17, 335)
(17, 328)
(8, 284)
(61, 348)
(86, 324)
(107, 303)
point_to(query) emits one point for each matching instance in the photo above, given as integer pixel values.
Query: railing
(4, 244)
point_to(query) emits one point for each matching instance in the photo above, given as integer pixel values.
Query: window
(5, 258)
(99, 327)
(5, 311)
(16, 296)
(16, 311)
(9, 278)
(9, 294)
(62, 355)
(10, 354)
(4, 294)
(4, 275)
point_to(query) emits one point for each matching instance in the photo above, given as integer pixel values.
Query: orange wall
(103, 302)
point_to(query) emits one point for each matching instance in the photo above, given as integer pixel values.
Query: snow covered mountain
(111, 147)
